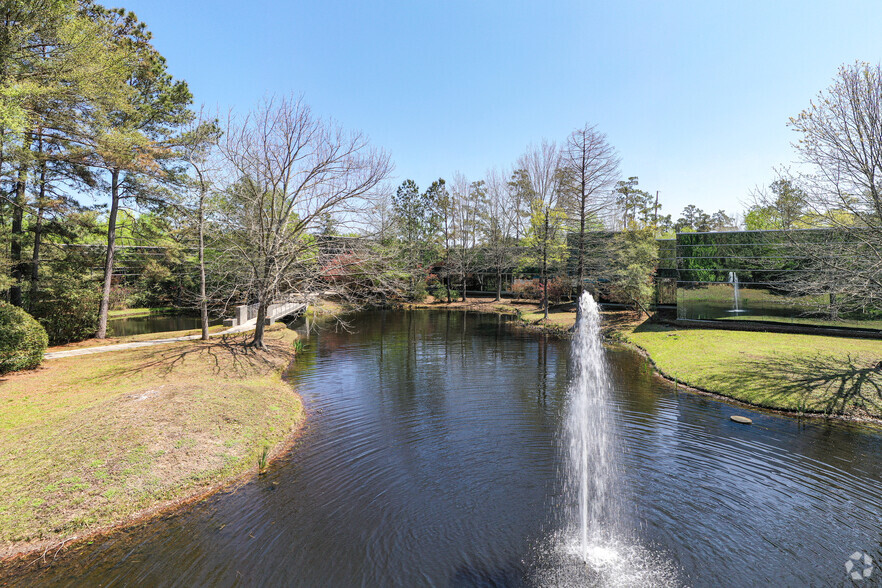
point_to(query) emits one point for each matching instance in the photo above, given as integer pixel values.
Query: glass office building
(771, 276)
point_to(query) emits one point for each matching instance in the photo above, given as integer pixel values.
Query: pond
(156, 323)
(431, 457)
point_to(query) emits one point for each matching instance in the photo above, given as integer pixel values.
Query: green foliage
(637, 205)
(419, 291)
(263, 459)
(23, 340)
(633, 266)
(546, 241)
(785, 209)
(67, 305)
(416, 213)
(439, 292)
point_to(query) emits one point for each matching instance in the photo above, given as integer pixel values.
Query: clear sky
(694, 95)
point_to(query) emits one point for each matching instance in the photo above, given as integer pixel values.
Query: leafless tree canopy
(841, 149)
(542, 162)
(590, 169)
(287, 171)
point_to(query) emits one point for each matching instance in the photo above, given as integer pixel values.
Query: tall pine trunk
(108, 263)
(16, 246)
(38, 236)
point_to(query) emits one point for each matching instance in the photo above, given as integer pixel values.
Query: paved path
(247, 326)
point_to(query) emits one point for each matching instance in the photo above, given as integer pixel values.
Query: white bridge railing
(248, 312)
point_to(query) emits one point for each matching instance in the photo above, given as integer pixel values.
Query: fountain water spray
(733, 279)
(591, 469)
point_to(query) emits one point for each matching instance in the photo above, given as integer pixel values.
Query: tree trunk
(15, 247)
(38, 228)
(447, 267)
(498, 285)
(581, 286)
(259, 328)
(38, 238)
(545, 268)
(203, 299)
(108, 263)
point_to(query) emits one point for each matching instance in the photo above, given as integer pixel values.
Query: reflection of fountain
(733, 279)
(588, 434)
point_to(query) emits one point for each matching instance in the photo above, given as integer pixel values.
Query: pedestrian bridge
(245, 316)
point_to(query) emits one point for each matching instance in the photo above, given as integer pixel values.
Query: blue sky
(694, 95)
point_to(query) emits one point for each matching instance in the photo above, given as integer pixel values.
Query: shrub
(527, 288)
(419, 292)
(439, 292)
(559, 287)
(67, 307)
(23, 340)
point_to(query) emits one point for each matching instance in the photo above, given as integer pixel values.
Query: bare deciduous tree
(467, 199)
(198, 144)
(541, 163)
(590, 167)
(289, 170)
(500, 253)
(840, 188)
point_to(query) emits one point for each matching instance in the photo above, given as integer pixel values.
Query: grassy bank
(800, 373)
(90, 441)
(529, 313)
(134, 312)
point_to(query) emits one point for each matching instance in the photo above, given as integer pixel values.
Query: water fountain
(733, 279)
(591, 468)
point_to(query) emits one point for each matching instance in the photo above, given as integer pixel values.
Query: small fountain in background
(733, 279)
(591, 469)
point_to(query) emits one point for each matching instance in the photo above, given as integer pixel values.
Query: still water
(431, 457)
(140, 325)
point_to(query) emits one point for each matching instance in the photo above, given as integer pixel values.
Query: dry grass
(89, 441)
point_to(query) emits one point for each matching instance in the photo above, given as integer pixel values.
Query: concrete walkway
(248, 326)
(137, 344)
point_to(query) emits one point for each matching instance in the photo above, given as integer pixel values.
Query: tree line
(111, 181)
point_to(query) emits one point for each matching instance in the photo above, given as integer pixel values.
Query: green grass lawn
(89, 441)
(800, 320)
(803, 373)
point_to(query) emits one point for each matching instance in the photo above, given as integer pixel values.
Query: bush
(558, 288)
(439, 293)
(419, 292)
(527, 288)
(67, 307)
(23, 340)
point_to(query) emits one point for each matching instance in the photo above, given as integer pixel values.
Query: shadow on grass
(833, 384)
(229, 355)
(830, 383)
